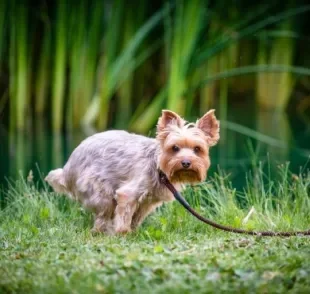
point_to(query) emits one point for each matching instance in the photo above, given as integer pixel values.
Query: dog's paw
(122, 230)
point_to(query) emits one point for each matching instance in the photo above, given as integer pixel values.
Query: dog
(115, 174)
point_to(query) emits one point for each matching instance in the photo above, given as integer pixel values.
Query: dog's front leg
(126, 207)
(145, 208)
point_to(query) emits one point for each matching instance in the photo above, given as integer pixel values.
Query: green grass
(46, 245)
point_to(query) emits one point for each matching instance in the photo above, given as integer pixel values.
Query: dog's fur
(115, 173)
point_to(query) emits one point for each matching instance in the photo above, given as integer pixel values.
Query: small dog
(115, 174)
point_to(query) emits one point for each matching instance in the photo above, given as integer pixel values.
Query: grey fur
(115, 173)
(107, 162)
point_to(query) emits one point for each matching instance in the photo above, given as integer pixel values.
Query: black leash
(164, 180)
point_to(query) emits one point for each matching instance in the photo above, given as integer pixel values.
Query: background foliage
(118, 63)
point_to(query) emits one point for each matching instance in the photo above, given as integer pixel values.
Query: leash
(164, 180)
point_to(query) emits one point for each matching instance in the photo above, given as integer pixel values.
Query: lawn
(46, 245)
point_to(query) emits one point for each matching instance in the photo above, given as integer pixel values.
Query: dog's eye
(197, 149)
(175, 148)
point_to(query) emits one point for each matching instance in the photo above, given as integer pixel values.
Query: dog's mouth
(185, 176)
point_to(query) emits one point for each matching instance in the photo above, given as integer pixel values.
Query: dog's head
(184, 155)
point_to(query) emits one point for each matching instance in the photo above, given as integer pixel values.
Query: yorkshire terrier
(115, 174)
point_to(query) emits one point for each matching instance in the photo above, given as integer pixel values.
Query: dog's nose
(186, 163)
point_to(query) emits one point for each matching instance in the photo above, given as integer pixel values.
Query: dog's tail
(56, 179)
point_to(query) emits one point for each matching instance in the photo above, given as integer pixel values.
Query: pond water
(285, 138)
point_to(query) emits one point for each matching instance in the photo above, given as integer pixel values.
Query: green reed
(60, 62)
(133, 20)
(3, 21)
(254, 23)
(19, 65)
(274, 85)
(77, 63)
(114, 63)
(43, 74)
(185, 30)
(85, 47)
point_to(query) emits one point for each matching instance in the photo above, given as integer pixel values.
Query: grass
(46, 244)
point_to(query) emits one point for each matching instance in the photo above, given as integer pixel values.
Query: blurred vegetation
(47, 246)
(104, 64)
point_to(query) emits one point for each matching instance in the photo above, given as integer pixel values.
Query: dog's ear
(210, 126)
(169, 118)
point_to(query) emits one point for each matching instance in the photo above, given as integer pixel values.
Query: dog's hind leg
(103, 205)
(142, 212)
(126, 207)
(103, 224)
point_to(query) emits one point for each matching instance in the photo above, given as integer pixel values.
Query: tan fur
(115, 173)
